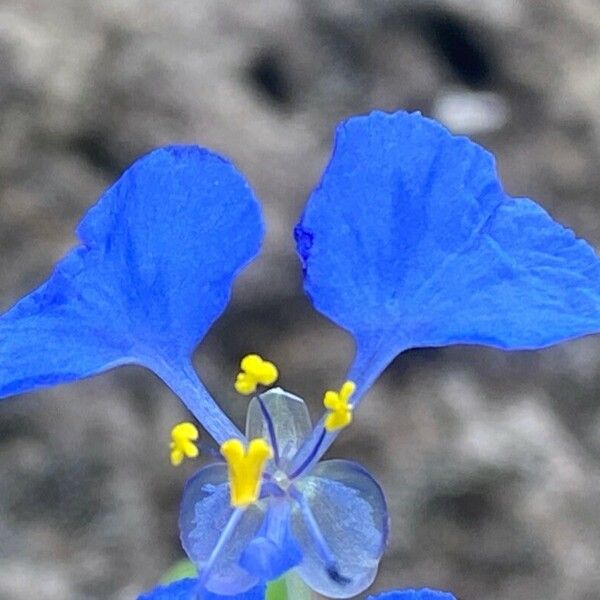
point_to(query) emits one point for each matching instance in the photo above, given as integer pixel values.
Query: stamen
(321, 544)
(182, 445)
(338, 403)
(245, 469)
(254, 371)
(270, 428)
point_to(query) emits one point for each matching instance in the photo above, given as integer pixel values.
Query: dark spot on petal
(336, 576)
(304, 241)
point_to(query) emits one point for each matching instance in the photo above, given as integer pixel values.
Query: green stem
(288, 587)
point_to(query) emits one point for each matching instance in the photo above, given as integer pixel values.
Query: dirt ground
(490, 461)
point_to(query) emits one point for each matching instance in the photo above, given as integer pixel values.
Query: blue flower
(329, 523)
(408, 241)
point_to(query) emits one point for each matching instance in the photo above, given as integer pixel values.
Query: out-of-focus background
(490, 461)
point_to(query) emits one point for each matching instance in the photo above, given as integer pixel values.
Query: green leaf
(180, 570)
(288, 587)
(277, 590)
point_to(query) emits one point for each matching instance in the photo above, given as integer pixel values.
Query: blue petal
(409, 240)
(349, 509)
(178, 590)
(204, 514)
(157, 258)
(151, 275)
(274, 550)
(185, 589)
(420, 594)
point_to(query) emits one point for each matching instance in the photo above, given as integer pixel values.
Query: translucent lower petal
(205, 512)
(350, 510)
(290, 418)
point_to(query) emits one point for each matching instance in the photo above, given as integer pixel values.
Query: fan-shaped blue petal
(185, 589)
(409, 240)
(158, 255)
(420, 594)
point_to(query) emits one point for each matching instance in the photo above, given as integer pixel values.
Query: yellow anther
(255, 370)
(338, 403)
(182, 444)
(245, 468)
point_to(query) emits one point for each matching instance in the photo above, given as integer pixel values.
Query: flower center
(281, 479)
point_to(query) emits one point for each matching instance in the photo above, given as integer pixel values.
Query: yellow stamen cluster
(254, 371)
(182, 443)
(245, 467)
(338, 403)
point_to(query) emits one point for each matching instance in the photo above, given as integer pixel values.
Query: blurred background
(490, 461)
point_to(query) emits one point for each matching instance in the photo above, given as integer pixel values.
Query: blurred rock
(489, 460)
(471, 113)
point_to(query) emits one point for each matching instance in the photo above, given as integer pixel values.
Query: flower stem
(288, 587)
